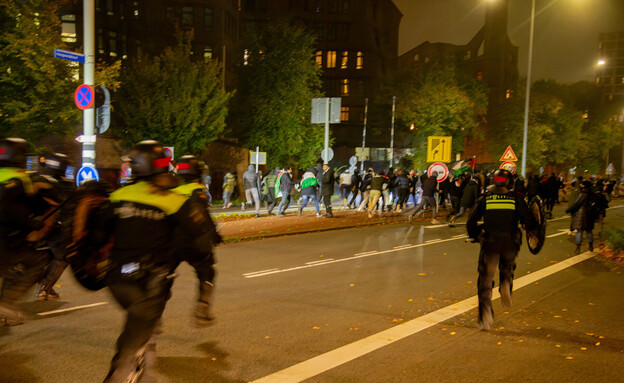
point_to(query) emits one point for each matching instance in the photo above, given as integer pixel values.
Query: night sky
(566, 31)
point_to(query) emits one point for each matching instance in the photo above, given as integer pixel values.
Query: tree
(278, 80)
(439, 102)
(172, 99)
(35, 88)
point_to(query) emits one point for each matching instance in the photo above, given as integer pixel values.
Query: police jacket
(142, 218)
(501, 210)
(24, 199)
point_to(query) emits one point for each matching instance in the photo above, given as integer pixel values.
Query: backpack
(595, 206)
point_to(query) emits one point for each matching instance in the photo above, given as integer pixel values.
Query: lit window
(68, 32)
(135, 12)
(508, 94)
(344, 88)
(344, 63)
(207, 54)
(416, 57)
(246, 57)
(110, 7)
(318, 58)
(187, 17)
(112, 44)
(331, 59)
(359, 64)
(344, 113)
(480, 76)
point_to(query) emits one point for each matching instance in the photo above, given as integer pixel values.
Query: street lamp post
(525, 134)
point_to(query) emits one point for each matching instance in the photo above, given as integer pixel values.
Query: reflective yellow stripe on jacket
(500, 204)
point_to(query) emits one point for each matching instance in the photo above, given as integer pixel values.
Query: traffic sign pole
(326, 145)
(88, 115)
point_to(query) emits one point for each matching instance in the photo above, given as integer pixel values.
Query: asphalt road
(391, 303)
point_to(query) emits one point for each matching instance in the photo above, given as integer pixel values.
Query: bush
(615, 238)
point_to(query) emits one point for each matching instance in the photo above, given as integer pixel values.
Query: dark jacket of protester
(327, 187)
(470, 194)
(429, 186)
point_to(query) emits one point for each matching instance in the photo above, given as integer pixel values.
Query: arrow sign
(82, 138)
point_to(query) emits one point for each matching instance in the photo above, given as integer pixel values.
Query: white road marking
(399, 247)
(562, 232)
(349, 352)
(46, 313)
(354, 257)
(321, 261)
(261, 271)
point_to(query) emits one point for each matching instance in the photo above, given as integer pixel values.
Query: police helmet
(502, 178)
(189, 165)
(13, 152)
(56, 164)
(148, 158)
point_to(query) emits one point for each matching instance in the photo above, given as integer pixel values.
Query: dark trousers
(20, 269)
(144, 298)
(327, 203)
(403, 195)
(495, 251)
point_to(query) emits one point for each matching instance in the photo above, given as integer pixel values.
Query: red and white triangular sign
(509, 155)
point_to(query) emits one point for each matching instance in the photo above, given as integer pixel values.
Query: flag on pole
(463, 166)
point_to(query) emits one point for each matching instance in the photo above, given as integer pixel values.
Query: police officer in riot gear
(189, 169)
(141, 219)
(53, 170)
(24, 202)
(500, 239)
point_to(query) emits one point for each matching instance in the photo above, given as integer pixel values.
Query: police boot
(203, 316)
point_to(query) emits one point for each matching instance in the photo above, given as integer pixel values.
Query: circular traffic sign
(327, 156)
(440, 168)
(84, 96)
(509, 166)
(86, 173)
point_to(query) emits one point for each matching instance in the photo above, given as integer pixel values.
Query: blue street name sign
(67, 55)
(86, 173)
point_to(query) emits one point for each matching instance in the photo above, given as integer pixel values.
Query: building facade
(610, 74)
(490, 56)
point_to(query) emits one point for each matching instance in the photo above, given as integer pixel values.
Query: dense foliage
(278, 80)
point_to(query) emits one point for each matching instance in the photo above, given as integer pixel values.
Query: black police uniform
(24, 200)
(500, 239)
(202, 259)
(142, 218)
(54, 172)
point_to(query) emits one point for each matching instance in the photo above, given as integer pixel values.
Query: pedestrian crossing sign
(509, 155)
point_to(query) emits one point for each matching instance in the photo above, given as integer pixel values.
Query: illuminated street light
(601, 62)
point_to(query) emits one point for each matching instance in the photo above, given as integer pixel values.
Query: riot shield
(537, 236)
(89, 262)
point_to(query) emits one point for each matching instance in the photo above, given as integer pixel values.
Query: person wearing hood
(250, 183)
(469, 196)
(229, 184)
(309, 188)
(585, 211)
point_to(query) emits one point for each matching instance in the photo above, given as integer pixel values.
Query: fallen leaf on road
(499, 343)
(351, 285)
(421, 274)
(591, 304)
(597, 343)
(410, 300)
(430, 299)
(316, 328)
(564, 310)
(453, 333)
(584, 348)
(557, 316)
(557, 345)
(569, 357)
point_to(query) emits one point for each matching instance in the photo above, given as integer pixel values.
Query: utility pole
(392, 131)
(364, 135)
(88, 115)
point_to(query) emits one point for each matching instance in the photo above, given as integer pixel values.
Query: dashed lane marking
(561, 232)
(337, 357)
(354, 257)
(46, 313)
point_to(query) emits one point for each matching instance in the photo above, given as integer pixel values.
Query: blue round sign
(86, 173)
(84, 96)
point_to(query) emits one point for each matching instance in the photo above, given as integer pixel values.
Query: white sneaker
(434, 221)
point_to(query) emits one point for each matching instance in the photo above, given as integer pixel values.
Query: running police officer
(189, 169)
(141, 219)
(500, 238)
(24, 201)
(53, 170)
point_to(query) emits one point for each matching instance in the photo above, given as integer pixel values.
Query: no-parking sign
(440, 168)
(510, 166)
(84, 97)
